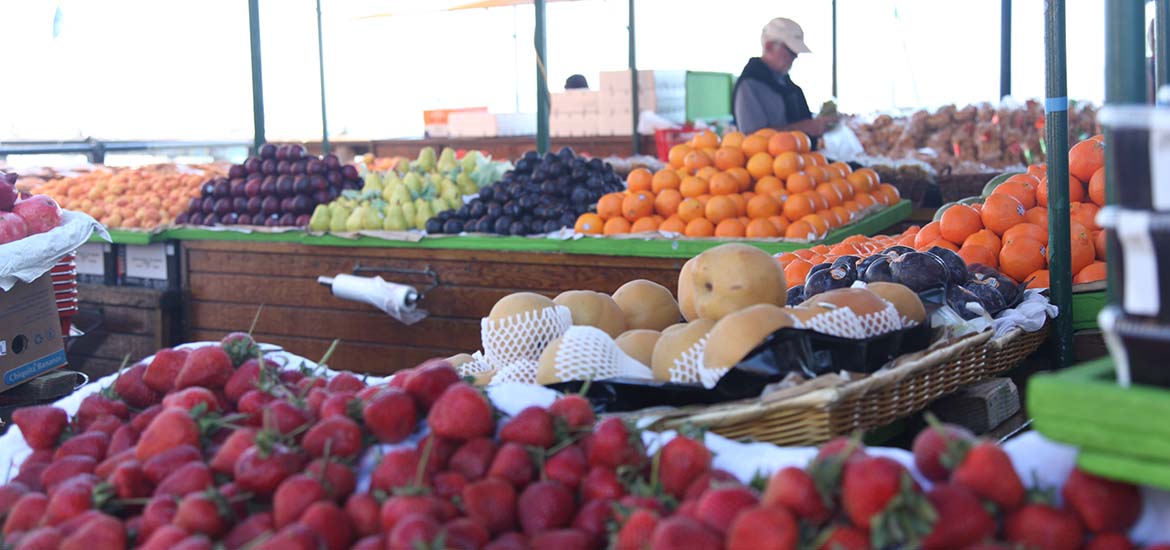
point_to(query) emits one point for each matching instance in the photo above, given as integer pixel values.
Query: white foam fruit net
(522, 337)
(521, 372)
(588, 353)
(689, 369)
(844, 323)
(477, 366)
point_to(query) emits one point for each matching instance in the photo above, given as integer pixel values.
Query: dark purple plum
(795, 296)
(244, 219)
(897, 250)
(819, 267)
(222, 206)
(287, 220)
(270, 205)
(237, 187)
(239, 204)
(286, 205)
(350, 172)
(299, 167)
(272, 220)
(956, 267)
(297, 152)
(351, 185)
(826, 280)
(181, 218)
(315, 166)
(333, 193)
(958, 298)
(268, 167)
(252, 188)
(211, 219)
(268, 151)
(283, 167)
(284, 186)
(231, 218)
(318, 183)
(331, 161)
(321, 197)
(846, 265)
(195, 218)
(207, 189)
(878, 271)
(253, 165)
(919, 271)
(333, 177)
(208, 206)
(236, 171)
(302, 204)
(988, 294)
(282, 152)
(223, 188)
(301, 184)
(195, 205)
(254, 205)
(302, 220)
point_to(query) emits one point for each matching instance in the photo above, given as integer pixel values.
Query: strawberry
(66, 468)
(369, 392)
(400, 378)
(343, 436)
(429, 381)
(1103, 505)
(26, 513)
(632, 502)
(293, 497)
(682, 532)
(461, 412)
(465, 533)
(545, 505)
(91, 444)
(70, 499)
(30, 475)
(246, 377)
(612, 444)
(143, 419)
(345, 382)
(401, 506)
(124, 438)
(9, 493)
(293, 537)
(160, 375)
(248, 530)
(492, 503)
(370, 542)
(364, 514)
(164, 538)
(601, 482)
(1110, 541)
(290, 377)
(133, 390)
(637, 531)
(931, 443)
(314, 400)
(397, 469)
(204, 512)
(308, 384)
(794, 489)
(567, 466)
(341, 403)
(961, 521)
(105, 424)
(130, 481)
(448, 484)
(1039, 525)
(574, 410)
(843, 447)
(764, 527)
(162, 464)
(107, 466)
(284, 417)
(413, 531)
(719, 506)
(43, 538)
(338, 479)
(224, 460)
(513, 463)
(171, 428)
(67, 528)
(532, 426)
(194, 542)
(473, 458)
(252, 404)
(208, 367)
(509, 541)
(189, 478)
(261, 471)
(593, 518)
(97, 405)
(41, 425)
(237, 499)
(158, 512)
(709, 479)
(870, 484)
(844, 537)
(102, 533)
(330, 524)
(390, 416)
(189, 398)
(682, 459)
(563, 539)
(240, 347)
(987, 471)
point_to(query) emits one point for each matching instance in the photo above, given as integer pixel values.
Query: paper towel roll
(398, 301)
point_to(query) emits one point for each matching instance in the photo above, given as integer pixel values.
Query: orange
(1086, 213)
(769, 184)
(730, 228)
(1076, 191)
(740, 204)
(1001, 212)
(782, 142)
(1037, 171)
(929, 232)
(610, 205)
(616, 226)
(678, 154)
(786, 163)
(799, 183)
(819, 201)
(797, 270)
(959, 222)
(809, 160)
(887, 194)
(803, 143)
(645, 225)
(1026, 231)
(639, 179)
(785, 258)
(1038, 279)
(1099, 137)
(707, 172)
(1038, 216)
(705, 138)
(1082, 250)
(843, 167)
(817, 173)
(870, 173)
(859, 182)
(1099, 244)
(720, 208)
(589, 224)
(780, 223)
(753, 144)
(696, 160)
(760, 165)
(693, 186)
(1021, 258)
(761, 228)
(800, 230)
(1097, 187)
(943, 243)
(844, 249)
(742, 176)
(637, 205)
(989, 240)
(663, 179)
(843, 214)
(767, 133)
(704, 198)
(818, 224)
(864, 200)
(762, 206)
(1085, 158)
(1020, 190)
(727, 158)
(1095, 271)
(733, 139)
(798, 206)
(700, 227)
(723, 184)
(830, 194)
(843, 188)
(978, 254)
(690, 209)
(673, 224)
(831, 218)
(666, 203)
(854, 207)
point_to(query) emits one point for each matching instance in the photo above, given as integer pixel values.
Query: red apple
(40, 213)
(12, 227)
(7, 196)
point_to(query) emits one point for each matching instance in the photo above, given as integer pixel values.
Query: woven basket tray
(828, 406)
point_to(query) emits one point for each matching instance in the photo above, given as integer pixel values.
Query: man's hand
(815, 127)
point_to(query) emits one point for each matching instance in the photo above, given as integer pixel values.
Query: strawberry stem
(255, 319)
(425, 457)
(329, 352)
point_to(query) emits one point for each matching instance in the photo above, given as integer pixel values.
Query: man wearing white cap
(765, 96)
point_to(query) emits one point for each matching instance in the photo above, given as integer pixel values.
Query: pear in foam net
(735, 335)
(647, 305)
(906, 301)
(520, 302)
(731, 277)
(677, 354)
(639, 344)
(594, 309)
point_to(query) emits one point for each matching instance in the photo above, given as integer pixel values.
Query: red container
(64, 275)
(666, 138)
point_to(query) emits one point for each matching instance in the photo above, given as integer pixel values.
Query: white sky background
(179, 69)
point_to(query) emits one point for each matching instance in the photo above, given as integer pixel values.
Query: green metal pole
(1056, 135)
(321, 69)
(541, 79)
(1162, 48)
(1005, 48)
(633, 81)
(834, 34)
(257, 76)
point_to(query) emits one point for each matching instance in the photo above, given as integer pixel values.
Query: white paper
(29, 258)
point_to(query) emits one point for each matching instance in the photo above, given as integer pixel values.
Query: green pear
(370, 219)
(338, 219)
(466, 185)
(447, 161)
(413, 183)
(399, 196)
(447, 186)
(319, 221)
(455, 202)
(354, 221)
(395, 220)
(426, 159)
(469, 161)
(439, 205)
(408, 211)
(373, 183)
(424, 213)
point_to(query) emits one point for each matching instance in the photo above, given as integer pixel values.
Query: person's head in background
(783, 40)
(576, 82)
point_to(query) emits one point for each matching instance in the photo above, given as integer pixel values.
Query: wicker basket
(828, 406)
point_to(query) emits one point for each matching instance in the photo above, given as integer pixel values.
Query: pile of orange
(766, 185)
(797, 264)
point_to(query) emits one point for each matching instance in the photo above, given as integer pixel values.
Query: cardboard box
(97, 263)
(435, 121)
(472, 124)
(30, 333)
(149, 266)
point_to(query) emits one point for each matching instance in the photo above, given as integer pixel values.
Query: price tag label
(147, 261)
(91, 259)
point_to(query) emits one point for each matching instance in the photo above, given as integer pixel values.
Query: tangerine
(872, 174)
(723, 184)
(1082, 251)
(843, 214)
(988, 239)
(800, 230)
(796, 271)
(787, 163)
(637, 206)
(1038, 216)
(728, 157)
(1099, 244)
(1001, 212)
(1086, 213)
(610, 205)
(1076, 191)
(819, 200)
(929, 232)
(887, 194)
(780, 223)
(798, 206)
(859, 182)
(803, 143)
(742, 176)
(843, 188)
(690, 209)
(864, 200)
(1038, 279)
(589, 224)
(759, 165)
(819, 224)
(693, 186)
(782, 142)
(1022, 257)
(1097, 187)
(1095, 271)
(830, 193)
(754, 144)
(733, 139)
(799, 183)
(639, 179)
(761, 228)
(769, 184)
(978, 254)
(1026, 231)
(839, 169)
(678, 154)
(730, 228)
(959, 222)
(673, 224)
(663, 179)
(740, 204)
(719, 208)
(1085, 158)
(700, 227)
(707, 173)
(616, 226)
(1020, 190)
(666, 203)
(941, 243)
(819, 159)
(705, 139)
(762, 206)
(830, 217)
(645, 225)
(695, 161)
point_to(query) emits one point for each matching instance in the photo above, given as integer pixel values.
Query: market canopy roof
(392, 8)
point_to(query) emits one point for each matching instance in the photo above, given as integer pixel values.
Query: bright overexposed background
(180, 69)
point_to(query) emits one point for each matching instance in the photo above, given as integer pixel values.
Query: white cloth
(29, 258)
(1030, 315)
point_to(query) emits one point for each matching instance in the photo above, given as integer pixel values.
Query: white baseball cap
(787, 32)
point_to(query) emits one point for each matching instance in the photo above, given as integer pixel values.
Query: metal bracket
(359, 269)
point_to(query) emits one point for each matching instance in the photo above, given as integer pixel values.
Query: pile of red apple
(21, 217)
(217, 448)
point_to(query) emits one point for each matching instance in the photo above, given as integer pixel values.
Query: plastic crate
(708, 96)
(666, 138)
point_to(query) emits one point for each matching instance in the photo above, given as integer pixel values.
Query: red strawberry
(631, 502)
(682, 459)
(124, 438)
(709, 479)
(532, 426)
(293, 497)
(1110, 541)
(105, 424)
(869, 485)
(107, 466)
(343, 403)
(575, 411)
(164, 538)
(1042, 526)
(345, 382)
(397, 469)
(364, 514)
(840, 447)
(41, 425)
(513, 463)
(637, 531)
(171, 428)
(133, 390)
(67, 528)
(95, 406)
(567, 466)
(252, 404)
(224, 461)
(682, 532)
(962, 520)
(189, 478)
(144, 418)
(371, 542)
(237, 499)
(43, 538)
(27, 513)
(593, 518)
(130, 481)
(189, 398)
(102, 533)
(545, 505)
(240, 347)
(461, 412)
(70, 499)
(291, 377)
(344, 438)
(1102, 504)
(338, 479)
(243, 379)
(30, 475)
(794, 489)
(930, 445)
(465, 533)
(314, 400)
(194, 542)
(284, 417)
(844, 537)
(293, 537)
(612, 444)
(207, 367)
(987, 471)
(308, 384)
(9, 493)
(562, 539)
(368, 393)
(330, 524)
(168, 461)
(413, 531)
(473, 458)
(396, 508)
(492, 503)
(91, 444)
(159, 512)
(261, 472)
(248, 531)
(448, 484)
(390, 415)
(508, 541)
(719, 506)
(161, 373)
(429, 381)
(200, 513)
(764, 527)
(601, 482)
(66, 468)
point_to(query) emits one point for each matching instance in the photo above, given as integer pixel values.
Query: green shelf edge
(1086, 306)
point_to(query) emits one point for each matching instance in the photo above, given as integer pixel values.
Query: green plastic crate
(708, 96)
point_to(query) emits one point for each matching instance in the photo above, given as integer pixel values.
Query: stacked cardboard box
(663, 92)
(574, 113)
(472, 124)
